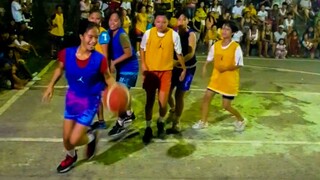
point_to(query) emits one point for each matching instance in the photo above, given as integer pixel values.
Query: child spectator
(281, 49)
(294, 44)
(267, 39)
(288, 23)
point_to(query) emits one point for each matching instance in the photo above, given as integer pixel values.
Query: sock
(161, 119)
(120, 121)
(129, 112)
(90, 137)
(71, 152)
(148, 123)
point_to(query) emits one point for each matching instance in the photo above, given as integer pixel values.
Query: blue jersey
(129, 65)
(87, 81)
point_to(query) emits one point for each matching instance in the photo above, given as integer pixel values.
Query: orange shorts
(157, 80)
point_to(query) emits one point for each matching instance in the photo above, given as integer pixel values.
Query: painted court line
(272, 59)
(19, 93)
(59, 140)
(203, 89)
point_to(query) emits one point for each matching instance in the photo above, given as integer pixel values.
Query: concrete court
(280, 99)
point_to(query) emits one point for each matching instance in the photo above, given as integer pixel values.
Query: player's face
(95, 17)
(226, 32)
(161, 23)
(114, 22)
(90, 38)
(183, 21)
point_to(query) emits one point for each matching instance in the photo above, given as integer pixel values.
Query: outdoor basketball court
(280, 99)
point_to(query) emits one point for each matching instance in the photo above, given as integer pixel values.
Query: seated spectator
(281, 49)
(313, 39)
(25, 46)
(289, 23)
(251, 10)
(306, 7)
(308, 45)
(237, 36)
(253, 40)
(8, 66)
(267, 39)
(294, 44)
(279, 34)
(237, 10)
(216, 9)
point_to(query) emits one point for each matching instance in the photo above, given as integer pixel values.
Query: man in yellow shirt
(156, 51)
(56, 30)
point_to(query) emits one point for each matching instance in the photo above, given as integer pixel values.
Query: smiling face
(90, 38)
(114, 22)
(95, 17)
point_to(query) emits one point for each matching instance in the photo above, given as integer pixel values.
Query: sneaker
(101, 124)
(147, 137)
(173, 130)
(200, 125)
(127, 119)
(91, 147)
(239, 126)
(161, 130)
(67, 164)
(117, 130)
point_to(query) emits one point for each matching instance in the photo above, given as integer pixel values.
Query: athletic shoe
(91, 147)
(147, 137)
(200, 125)
(173, 130)
(161, 130)
(127, 119)
(101, 124)
(239, 126)
(67, 164)
(117, 130)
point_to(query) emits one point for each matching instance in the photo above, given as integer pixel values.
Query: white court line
(59, 140)
(204, 89)
(284, 70)
(19, 93)
(271, 59)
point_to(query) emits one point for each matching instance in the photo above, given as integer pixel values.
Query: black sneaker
(117, 130)
(161, 131)
(91, 147)
(67, 164)
(147, 137)
(101, 124)
(127, 119)
(173, 130)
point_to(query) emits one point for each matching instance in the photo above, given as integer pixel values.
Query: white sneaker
(200, 125)
(239, 126)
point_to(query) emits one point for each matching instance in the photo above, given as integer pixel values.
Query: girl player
(102, 47)
(228, 58)
(86, 71)
(188, 44)
(125, 63)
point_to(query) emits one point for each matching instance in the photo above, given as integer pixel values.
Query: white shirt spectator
(278, 36)
(84, 8)
(216, 9)
(305, 4)
(237, 11)
(175, 38)
(126, 5)
(16, 11)
(237, 36)
(262, 15)
(288, 23)
(278, 2)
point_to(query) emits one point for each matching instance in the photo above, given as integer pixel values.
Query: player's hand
(112, 67)
(182, 75)
(47, 95)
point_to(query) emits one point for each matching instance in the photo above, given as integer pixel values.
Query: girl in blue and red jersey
(87, 72)
(125, 63)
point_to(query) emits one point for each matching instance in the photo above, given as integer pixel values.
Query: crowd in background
(267, 28)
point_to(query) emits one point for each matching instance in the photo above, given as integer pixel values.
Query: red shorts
(157, 80)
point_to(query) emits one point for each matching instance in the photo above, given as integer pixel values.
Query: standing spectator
(191, 8)
(150, 18)
(216, 9)
(267, 39)
(84, 9)
(294, 44)
(16, 11)
(141, 24)
(126, 21)
(57, 30)
(263, 15)
(281, 49)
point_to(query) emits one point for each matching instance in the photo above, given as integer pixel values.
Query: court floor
(280, 99)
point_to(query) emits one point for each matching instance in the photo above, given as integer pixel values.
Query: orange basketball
(116, 98)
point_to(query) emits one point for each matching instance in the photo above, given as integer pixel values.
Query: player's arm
(178, 50)
(55, 78)
(127, 49)
(104, 40)
(210, 58)
(104, 69)
(143, 45)
(238, 59)
(192, 47)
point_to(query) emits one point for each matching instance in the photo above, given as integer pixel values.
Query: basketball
(116, 98)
